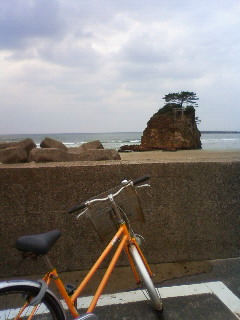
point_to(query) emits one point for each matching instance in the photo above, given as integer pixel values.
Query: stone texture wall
(192, 210)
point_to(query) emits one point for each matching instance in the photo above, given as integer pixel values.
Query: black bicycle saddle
(38, 243)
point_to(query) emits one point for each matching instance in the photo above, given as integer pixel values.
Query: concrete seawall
(192, 210)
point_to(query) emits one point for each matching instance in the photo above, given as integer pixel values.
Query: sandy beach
(182, 155)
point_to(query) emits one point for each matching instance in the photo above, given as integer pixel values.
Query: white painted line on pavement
(217, 288)
(226, 296)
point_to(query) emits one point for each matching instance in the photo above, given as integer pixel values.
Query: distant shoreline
(220, 132)
(86, 133)
(211, 140)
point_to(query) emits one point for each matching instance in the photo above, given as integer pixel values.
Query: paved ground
(211, 291)
(209, 296)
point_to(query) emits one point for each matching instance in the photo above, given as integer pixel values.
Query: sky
(105, 65)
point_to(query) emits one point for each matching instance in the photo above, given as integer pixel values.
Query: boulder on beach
(47, 155)
(54, 151)
(26, 144)
(92, 145)
(52, 143)
(99, 155)
(4, 145)
(13, 155)
(58, 155)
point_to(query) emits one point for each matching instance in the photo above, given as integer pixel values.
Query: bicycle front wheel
(152, 293)
(15, 303)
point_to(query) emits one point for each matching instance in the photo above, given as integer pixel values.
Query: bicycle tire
(13, 297)
(145, 278)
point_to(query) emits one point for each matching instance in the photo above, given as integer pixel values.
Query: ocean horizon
(211, 140)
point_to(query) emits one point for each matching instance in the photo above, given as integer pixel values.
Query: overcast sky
(105, 65)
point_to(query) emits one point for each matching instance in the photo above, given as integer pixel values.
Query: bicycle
(34, 299)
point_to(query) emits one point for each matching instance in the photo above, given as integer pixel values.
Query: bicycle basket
(102, 216)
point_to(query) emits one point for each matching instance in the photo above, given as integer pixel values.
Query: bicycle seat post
(48, 262)
(115, 208)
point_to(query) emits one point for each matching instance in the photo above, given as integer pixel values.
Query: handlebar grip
(76, 208)
(141, 179)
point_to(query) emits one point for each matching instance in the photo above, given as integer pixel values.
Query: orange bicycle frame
(125, 239)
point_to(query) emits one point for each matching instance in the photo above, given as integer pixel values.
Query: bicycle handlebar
(84, 204)
(141, 179)
(77, 208)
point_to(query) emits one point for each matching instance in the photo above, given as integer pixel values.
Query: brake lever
(143, 185)
(82, 213)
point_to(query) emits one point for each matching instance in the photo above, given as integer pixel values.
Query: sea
(229, 141)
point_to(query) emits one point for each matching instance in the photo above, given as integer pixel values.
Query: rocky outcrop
(170, 132)
(54, 151)
(167, 132)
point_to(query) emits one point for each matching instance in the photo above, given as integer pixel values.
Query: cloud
(21, 21)
(106, 61)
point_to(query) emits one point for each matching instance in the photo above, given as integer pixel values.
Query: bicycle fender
(42, 291)
(36, 284)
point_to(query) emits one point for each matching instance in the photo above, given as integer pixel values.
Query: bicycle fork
(134, 270)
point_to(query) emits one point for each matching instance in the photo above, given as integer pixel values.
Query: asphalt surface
(214, 295)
